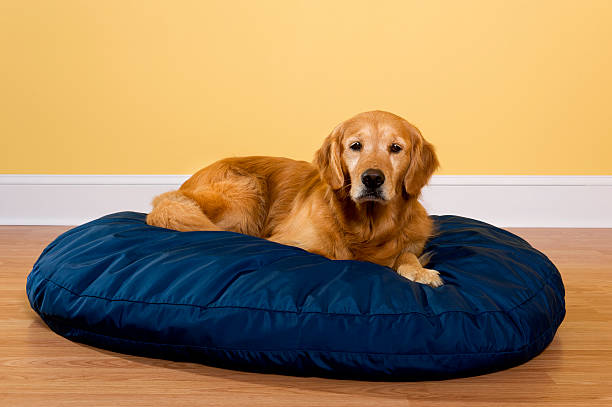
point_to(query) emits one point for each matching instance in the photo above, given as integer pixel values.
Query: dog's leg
(235, 204)
(407, 265)
(175, 210)
(232, 201)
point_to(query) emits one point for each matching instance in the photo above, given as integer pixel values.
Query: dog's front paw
(420, 275)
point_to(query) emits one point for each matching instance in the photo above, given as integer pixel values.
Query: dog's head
(377, 156)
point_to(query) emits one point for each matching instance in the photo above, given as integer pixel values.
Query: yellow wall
(165, 87)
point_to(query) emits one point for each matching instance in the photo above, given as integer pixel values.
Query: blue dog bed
(236, 301)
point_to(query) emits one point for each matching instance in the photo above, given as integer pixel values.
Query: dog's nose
(372, 178)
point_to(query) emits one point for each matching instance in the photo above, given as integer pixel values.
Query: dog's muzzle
(372, 179)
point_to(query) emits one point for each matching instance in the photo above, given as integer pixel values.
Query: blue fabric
(241, 302)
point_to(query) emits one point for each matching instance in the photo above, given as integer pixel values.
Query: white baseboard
(507, 201)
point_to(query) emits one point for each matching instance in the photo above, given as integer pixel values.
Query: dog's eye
(356, 146)
(395, 148)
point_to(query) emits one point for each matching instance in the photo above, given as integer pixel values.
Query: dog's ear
(327, 159)
(423, 163)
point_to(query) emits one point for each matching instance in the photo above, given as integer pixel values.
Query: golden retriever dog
(358, 200)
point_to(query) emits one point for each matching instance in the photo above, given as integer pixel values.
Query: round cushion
(238, 301)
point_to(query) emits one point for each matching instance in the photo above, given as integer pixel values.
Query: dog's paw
(421, 275)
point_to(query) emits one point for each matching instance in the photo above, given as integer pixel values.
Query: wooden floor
(40, 368)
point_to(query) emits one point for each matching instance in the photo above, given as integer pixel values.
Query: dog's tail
(175, 210)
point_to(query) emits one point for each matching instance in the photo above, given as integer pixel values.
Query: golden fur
(324, 207)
